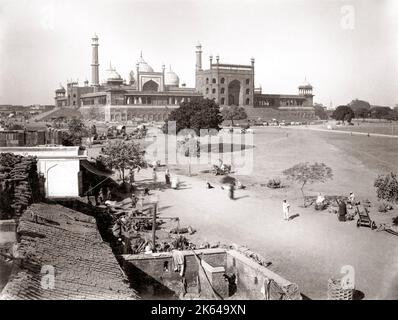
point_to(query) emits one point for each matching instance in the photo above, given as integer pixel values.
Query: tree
(343, 113)
(320, 111)
(380, 112)
(190, 147)
(122, 155)
(359, 104)
(233, 113)
(392, 115)
(196, 114)
(362, 113)
(76, 132)
(306, 173)
(387, 187)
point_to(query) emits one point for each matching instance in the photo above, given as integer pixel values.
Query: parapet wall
(154, 277)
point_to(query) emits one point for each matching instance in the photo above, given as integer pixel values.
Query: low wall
(153, 275)
(228, 271)
(256, 282)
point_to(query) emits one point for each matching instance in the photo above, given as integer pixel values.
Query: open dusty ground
(314, 245)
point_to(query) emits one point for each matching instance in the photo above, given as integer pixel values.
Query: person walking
(167, 176)
(285, 209)
(154, 174)
(231, 191)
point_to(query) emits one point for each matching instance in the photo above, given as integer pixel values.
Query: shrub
(274, 183)
(387, 187)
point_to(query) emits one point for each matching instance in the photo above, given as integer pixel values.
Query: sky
(345, 49)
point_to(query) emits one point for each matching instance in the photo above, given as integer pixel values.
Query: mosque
(151, 95)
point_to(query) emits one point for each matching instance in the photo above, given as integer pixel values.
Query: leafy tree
(122, 155)
(76, 132)
(343, 113)
(380, 112)
(362, 113)
(359, 104)
(196, 114)
(387, 187)
(392, 115)
(233, 113)
(320, 111)
(306, 173)
(189, 147)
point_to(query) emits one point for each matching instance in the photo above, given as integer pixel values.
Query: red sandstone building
(151, 95)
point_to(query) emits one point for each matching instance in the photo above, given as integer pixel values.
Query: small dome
(61, 89)
(112, 74)
(143, 66)
(306, 85)
(171, 79)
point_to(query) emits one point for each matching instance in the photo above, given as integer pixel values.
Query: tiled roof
(85, 267)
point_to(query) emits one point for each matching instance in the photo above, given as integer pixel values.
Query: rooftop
(69, 241)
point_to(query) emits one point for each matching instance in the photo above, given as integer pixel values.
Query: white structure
(60, 167)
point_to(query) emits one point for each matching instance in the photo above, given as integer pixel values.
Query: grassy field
(371, 127)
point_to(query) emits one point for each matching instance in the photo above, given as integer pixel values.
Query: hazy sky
(346, 49)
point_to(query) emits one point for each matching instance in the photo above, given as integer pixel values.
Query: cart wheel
(358, 223)
(373, 225)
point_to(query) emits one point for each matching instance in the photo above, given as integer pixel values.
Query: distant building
(151, 95)
(227, 84)
(148, 95)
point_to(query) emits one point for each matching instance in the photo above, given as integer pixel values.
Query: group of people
(321, 203)
(100, 196)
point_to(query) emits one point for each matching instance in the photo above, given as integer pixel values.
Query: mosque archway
(233, 93)
(150, 86)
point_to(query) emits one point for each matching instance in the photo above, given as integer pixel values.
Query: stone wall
(153, 276)
(256, 282)
(222, 273)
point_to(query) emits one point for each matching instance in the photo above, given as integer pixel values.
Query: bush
(384, 207)
(274, 183)
(387, 187)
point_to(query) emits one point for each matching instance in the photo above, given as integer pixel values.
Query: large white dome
(143, 66)
(171, 79)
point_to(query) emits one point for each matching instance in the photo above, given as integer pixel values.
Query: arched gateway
(233, 93)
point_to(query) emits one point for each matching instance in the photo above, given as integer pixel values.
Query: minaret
(95, 64)
(198, 57)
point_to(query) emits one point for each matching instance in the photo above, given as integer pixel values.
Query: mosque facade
(151, 95)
